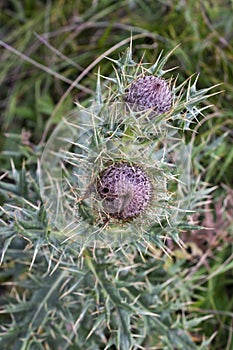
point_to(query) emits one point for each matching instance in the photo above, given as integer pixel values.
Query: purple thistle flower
(150, 92)
(125, 190)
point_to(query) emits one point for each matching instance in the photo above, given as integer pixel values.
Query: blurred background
(46, 46)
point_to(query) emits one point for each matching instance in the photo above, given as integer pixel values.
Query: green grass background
(46, 45)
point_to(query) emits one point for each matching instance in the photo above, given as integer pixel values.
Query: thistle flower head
(125, 190)
(150, 92)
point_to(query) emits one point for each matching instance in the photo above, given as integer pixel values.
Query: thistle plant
(139, 122)
(87, 233)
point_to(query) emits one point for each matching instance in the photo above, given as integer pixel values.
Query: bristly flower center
(125, 191)
(150, 92)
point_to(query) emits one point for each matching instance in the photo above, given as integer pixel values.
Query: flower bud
(125, 191)
(150, 92)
